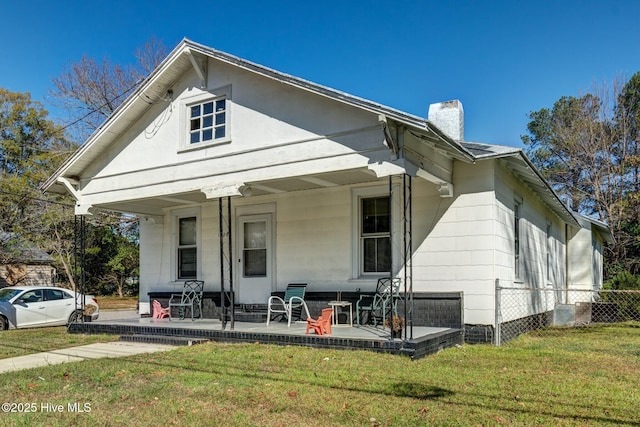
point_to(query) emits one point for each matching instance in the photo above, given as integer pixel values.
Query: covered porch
(307, 228)
(328, 262)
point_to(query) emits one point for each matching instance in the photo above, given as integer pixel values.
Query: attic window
(208, 121)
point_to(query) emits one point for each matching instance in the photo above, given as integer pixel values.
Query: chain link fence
(519, 310)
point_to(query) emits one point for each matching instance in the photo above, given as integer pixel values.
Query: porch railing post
(226, 268)
(391, 254)
(498, 316)
(221, 248)
(407, 202)
(232, 296)
(79, 261)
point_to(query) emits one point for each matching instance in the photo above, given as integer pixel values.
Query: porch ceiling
(154, 206)
(311, 182)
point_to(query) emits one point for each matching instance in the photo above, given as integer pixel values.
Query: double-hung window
(208, 121)
(187, 248)
(375, 235)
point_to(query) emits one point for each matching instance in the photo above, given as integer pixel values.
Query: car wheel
(73, 318)
(4, 323)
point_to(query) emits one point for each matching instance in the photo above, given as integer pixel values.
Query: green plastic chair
(292, 303)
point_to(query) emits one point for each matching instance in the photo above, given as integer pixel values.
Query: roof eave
(552, 199)
(70, 168)
(133, 99)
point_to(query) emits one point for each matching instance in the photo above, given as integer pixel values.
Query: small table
(343, 304)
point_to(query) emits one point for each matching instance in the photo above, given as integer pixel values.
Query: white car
(33, 306)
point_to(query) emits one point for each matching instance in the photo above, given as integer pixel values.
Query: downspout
(566, 263)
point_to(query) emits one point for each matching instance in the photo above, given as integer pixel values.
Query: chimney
(448, 116)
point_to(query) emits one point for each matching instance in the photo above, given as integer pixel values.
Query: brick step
(163, 339)
(250, 317)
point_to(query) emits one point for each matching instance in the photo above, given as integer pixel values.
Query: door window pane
(255, 249)
(255, 234)
(255, 263)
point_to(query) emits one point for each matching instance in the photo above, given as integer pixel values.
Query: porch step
(163, 339)
(250, 317)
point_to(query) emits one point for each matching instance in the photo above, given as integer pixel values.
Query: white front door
(255, 247)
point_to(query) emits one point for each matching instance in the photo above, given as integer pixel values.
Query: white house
(250, 178)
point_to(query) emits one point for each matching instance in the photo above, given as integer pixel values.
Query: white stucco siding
(581, 258)
(314, 238)
(453, 240)
(598, 261)
(542, 249)
(536, 220)
(154, 256)
(270, 137)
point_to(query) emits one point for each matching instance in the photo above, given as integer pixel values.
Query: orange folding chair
(321, 325)
(159, 311)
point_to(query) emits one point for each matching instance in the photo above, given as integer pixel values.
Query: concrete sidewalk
(76, 354)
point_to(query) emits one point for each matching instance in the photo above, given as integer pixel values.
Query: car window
(7, 293)
(54, 294)
(32, 296)
(67, 294)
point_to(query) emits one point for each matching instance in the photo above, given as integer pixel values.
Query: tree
(90, 90)
(124, 266)
(627, 119)
(587, 148)
(31, 148)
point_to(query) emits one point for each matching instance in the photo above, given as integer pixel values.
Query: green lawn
(26, 341)
(584, 376)
(116, 303)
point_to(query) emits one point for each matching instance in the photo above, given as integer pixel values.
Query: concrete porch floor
(425, 340)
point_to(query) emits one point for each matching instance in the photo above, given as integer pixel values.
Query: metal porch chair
(377, 306)
(191, 298)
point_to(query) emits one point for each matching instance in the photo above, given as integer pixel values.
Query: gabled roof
(187, 53)
(22, 251)
(519, 164)
(180, 60)
(601, 227)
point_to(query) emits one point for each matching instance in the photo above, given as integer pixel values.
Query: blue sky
(502, 59)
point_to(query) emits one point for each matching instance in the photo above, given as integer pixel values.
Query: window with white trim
(208, 121)
(187, 248)
(375, 235)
